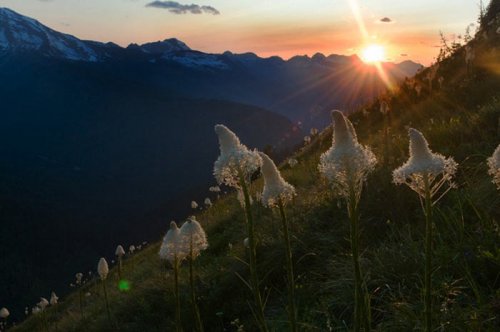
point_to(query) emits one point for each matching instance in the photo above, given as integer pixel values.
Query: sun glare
(373, 53)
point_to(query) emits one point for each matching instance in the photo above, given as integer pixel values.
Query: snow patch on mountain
(197, 60)
(18, 32)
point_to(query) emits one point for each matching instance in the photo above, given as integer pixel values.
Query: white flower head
(131, 249)
(103, 268)
(171, 248)
(36, 310)
(214, 189)
(43, 303)
(4, 313)
(292, 162)
(313, 131)
(79, 277)
(194, 205)
(423, 162)
(119, 251)
(307, 139)
(208, 202)
(234, 159)
(494, 166)
(194, 239)
(418, 89)
(469, 54)
(276, 189)
(54, 299)
(441, 81)
(384, 108)
(347, 163)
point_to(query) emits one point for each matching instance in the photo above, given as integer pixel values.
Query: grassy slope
(461, 120)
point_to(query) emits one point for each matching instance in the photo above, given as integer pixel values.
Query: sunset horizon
(343, 28)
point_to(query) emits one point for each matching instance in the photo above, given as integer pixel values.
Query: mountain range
(102, 144)
(301, 88)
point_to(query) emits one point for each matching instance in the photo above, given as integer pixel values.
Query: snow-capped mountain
(21, 33)
(166, 46)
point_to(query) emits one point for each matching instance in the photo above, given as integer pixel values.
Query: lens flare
(373, 53)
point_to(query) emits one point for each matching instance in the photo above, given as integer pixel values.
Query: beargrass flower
(193, 237)
(194, 241)
(384, 108)
(194, 205)
(4, 313)
(494, 166)
(234, 167)
(307, 139)
(276, 190)
(103, 270)
(313, 131)
(54, 299)
(292, 162)
(208, 202)
(43, 303)
(424, 163)
(469, 54)
(36, 310)
(119, 251)
(426, 173)
(214, 189)
(131, 249)
(235, 159)
(79, 277)
(277, 193)
(172, 248)
(346, 163)
(418, 89)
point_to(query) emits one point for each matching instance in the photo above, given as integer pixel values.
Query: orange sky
(277, 27)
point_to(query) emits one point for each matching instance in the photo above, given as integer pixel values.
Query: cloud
(385, 20)
(403, 54)
(177, 8)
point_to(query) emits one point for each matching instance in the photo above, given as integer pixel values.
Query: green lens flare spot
(124, 286)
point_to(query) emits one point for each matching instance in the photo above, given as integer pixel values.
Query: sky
(406, 29)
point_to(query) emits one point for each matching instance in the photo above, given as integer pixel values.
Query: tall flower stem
(80, 298)
(106, 300)
(196, 311)
(253, 260)
(361, 310)
(428, 256)
(292, 311)
(178, 325)
(120, 267)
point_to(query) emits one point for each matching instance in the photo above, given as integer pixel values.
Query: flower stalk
(292, 309)
(254, 279)
(428, 256)
(430, 176)
(178, 321)
(346, 165)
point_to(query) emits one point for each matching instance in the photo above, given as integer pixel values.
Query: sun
(373, 53)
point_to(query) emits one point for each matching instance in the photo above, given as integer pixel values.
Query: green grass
(460, 120)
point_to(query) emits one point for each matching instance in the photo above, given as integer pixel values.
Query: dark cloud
(177, 8)
(385, 20)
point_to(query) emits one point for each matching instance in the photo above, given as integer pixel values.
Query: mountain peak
(166, 46)
(20, 33)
